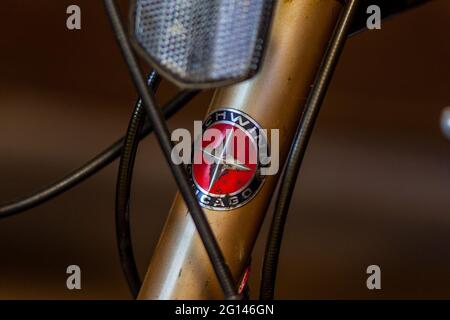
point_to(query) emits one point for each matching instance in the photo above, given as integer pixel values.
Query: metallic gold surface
(180, 267)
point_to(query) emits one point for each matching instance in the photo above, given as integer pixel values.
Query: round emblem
(225, 170)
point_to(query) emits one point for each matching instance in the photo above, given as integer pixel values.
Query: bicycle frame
(180, 268)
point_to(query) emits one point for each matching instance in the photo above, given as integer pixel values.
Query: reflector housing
(202, 43)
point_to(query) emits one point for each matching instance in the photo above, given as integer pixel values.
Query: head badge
(228, 176)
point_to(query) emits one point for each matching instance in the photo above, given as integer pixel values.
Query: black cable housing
(215, 254)
(87, 170)
(123, 187)
(298, 148)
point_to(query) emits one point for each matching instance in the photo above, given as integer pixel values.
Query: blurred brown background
(374, 189)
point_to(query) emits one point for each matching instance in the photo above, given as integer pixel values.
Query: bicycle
(181, 268)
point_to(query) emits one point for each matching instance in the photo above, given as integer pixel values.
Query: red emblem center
(229, 169)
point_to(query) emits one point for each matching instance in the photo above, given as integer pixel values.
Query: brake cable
(123, 187)
(91, 167)
(215, 254)
(298, 148)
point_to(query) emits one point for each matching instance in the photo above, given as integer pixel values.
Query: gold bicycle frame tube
(180, 267)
